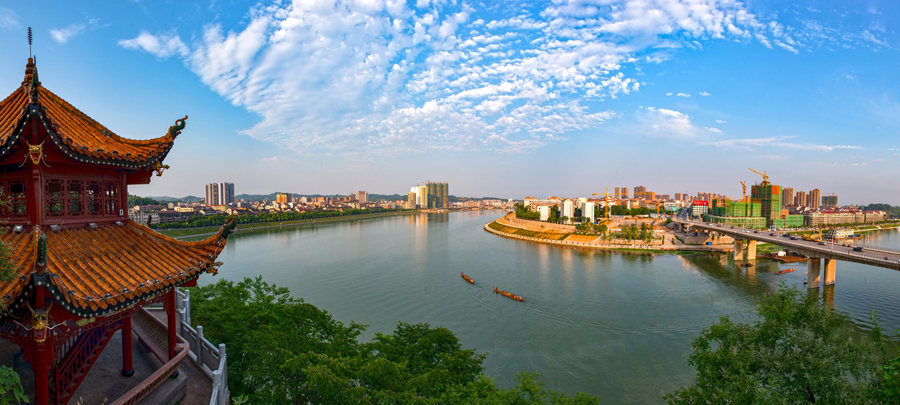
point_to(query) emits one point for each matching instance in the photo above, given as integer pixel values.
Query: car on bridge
(858, 249)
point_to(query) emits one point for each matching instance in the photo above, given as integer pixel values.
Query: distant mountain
(187, 199)
(894, 211)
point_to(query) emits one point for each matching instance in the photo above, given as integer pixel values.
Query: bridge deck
(871, 256)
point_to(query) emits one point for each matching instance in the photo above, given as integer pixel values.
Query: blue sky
(498, 98)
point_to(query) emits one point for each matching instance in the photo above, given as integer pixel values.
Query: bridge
(816, 252)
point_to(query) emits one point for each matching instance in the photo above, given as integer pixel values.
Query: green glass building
(438, 195)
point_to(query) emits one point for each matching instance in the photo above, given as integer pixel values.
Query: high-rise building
(618, 193)
(212, 194)
(282, 198)
(829, 201)
(422, 196)
(219, 193)
(411, 200)
(814, 196)
(226, 193)
(438, 195)
(800, 199)
(787, 196)
(624, 191)
(639, 191)
(362, 197)
(769, 196)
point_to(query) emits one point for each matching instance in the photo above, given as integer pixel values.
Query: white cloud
(713, 129)
(669, 94)
(670, 122)
(393, 76)
(705, 94)
(161, 46)
(778, 142)
(63, 35)
(9, 20)
(720, 121)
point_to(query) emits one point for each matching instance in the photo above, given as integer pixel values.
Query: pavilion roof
(94, 271)
(71, 129)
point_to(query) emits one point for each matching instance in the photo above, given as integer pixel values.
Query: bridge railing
(873, 247)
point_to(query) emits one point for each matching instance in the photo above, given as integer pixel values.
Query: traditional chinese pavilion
(82, 268)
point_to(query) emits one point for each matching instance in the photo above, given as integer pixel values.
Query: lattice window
(110, 198)
(55, 196)
(93, 197)
(15, 191)
(75, 197)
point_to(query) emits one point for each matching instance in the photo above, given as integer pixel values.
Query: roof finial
(29, 42)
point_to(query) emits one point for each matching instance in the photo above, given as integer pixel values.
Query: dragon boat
(508, 294)
(467, 278)
(786, 271)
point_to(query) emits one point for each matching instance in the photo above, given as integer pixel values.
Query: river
(617, 325)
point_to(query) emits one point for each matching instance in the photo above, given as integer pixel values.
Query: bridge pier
(738, 250)
(830, 265)
(812, 272)
(751, 249)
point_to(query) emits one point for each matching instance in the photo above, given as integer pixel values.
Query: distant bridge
(813, 250)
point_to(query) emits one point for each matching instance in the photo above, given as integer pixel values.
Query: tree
(554, 214)
(798, 351)
(284, 350)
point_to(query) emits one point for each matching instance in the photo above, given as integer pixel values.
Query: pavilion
(81, 268)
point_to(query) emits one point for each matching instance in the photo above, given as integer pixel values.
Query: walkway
(105, 382)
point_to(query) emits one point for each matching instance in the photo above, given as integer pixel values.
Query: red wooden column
(170, 304)
(127, 368)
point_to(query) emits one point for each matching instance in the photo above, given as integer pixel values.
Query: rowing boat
(786, 271)
(508, 294)
(469, 279)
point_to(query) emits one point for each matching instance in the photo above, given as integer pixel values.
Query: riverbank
(500, 227)
(192, 233)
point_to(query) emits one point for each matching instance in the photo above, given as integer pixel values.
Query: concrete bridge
(745, 241)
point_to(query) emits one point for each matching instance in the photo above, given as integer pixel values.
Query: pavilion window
(55, 197)
(110, 197)
(94, 197)
(14, 192)
(75, 197)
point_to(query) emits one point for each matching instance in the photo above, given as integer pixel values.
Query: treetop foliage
(284, 350)
(798, 351)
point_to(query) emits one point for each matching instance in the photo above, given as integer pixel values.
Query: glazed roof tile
(100, 270)
(78, 131)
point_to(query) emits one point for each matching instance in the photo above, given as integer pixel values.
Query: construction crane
(765, 177)
(744, 187)
(606, 202)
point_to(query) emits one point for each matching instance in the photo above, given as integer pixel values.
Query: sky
(498, 98)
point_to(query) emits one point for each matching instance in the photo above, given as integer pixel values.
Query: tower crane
(744, 187)
(606, 202)
(765, 177)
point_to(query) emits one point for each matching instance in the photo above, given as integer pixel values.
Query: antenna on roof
(29, 42)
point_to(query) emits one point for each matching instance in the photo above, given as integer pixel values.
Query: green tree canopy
(283, 350)
(798, 351)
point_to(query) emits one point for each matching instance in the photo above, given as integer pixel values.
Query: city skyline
(533, 99)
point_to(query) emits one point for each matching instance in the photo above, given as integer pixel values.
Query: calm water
(612, 324)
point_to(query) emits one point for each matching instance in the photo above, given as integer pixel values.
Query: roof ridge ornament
(31, 82)
(40, 262)
(175, 130)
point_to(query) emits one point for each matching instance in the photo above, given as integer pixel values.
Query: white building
(568, 208)
(544, 210)
(588, 211)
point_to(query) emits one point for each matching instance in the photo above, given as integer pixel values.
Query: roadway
(871, 256)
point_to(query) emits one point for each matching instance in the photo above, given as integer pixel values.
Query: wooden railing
(154, 334)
